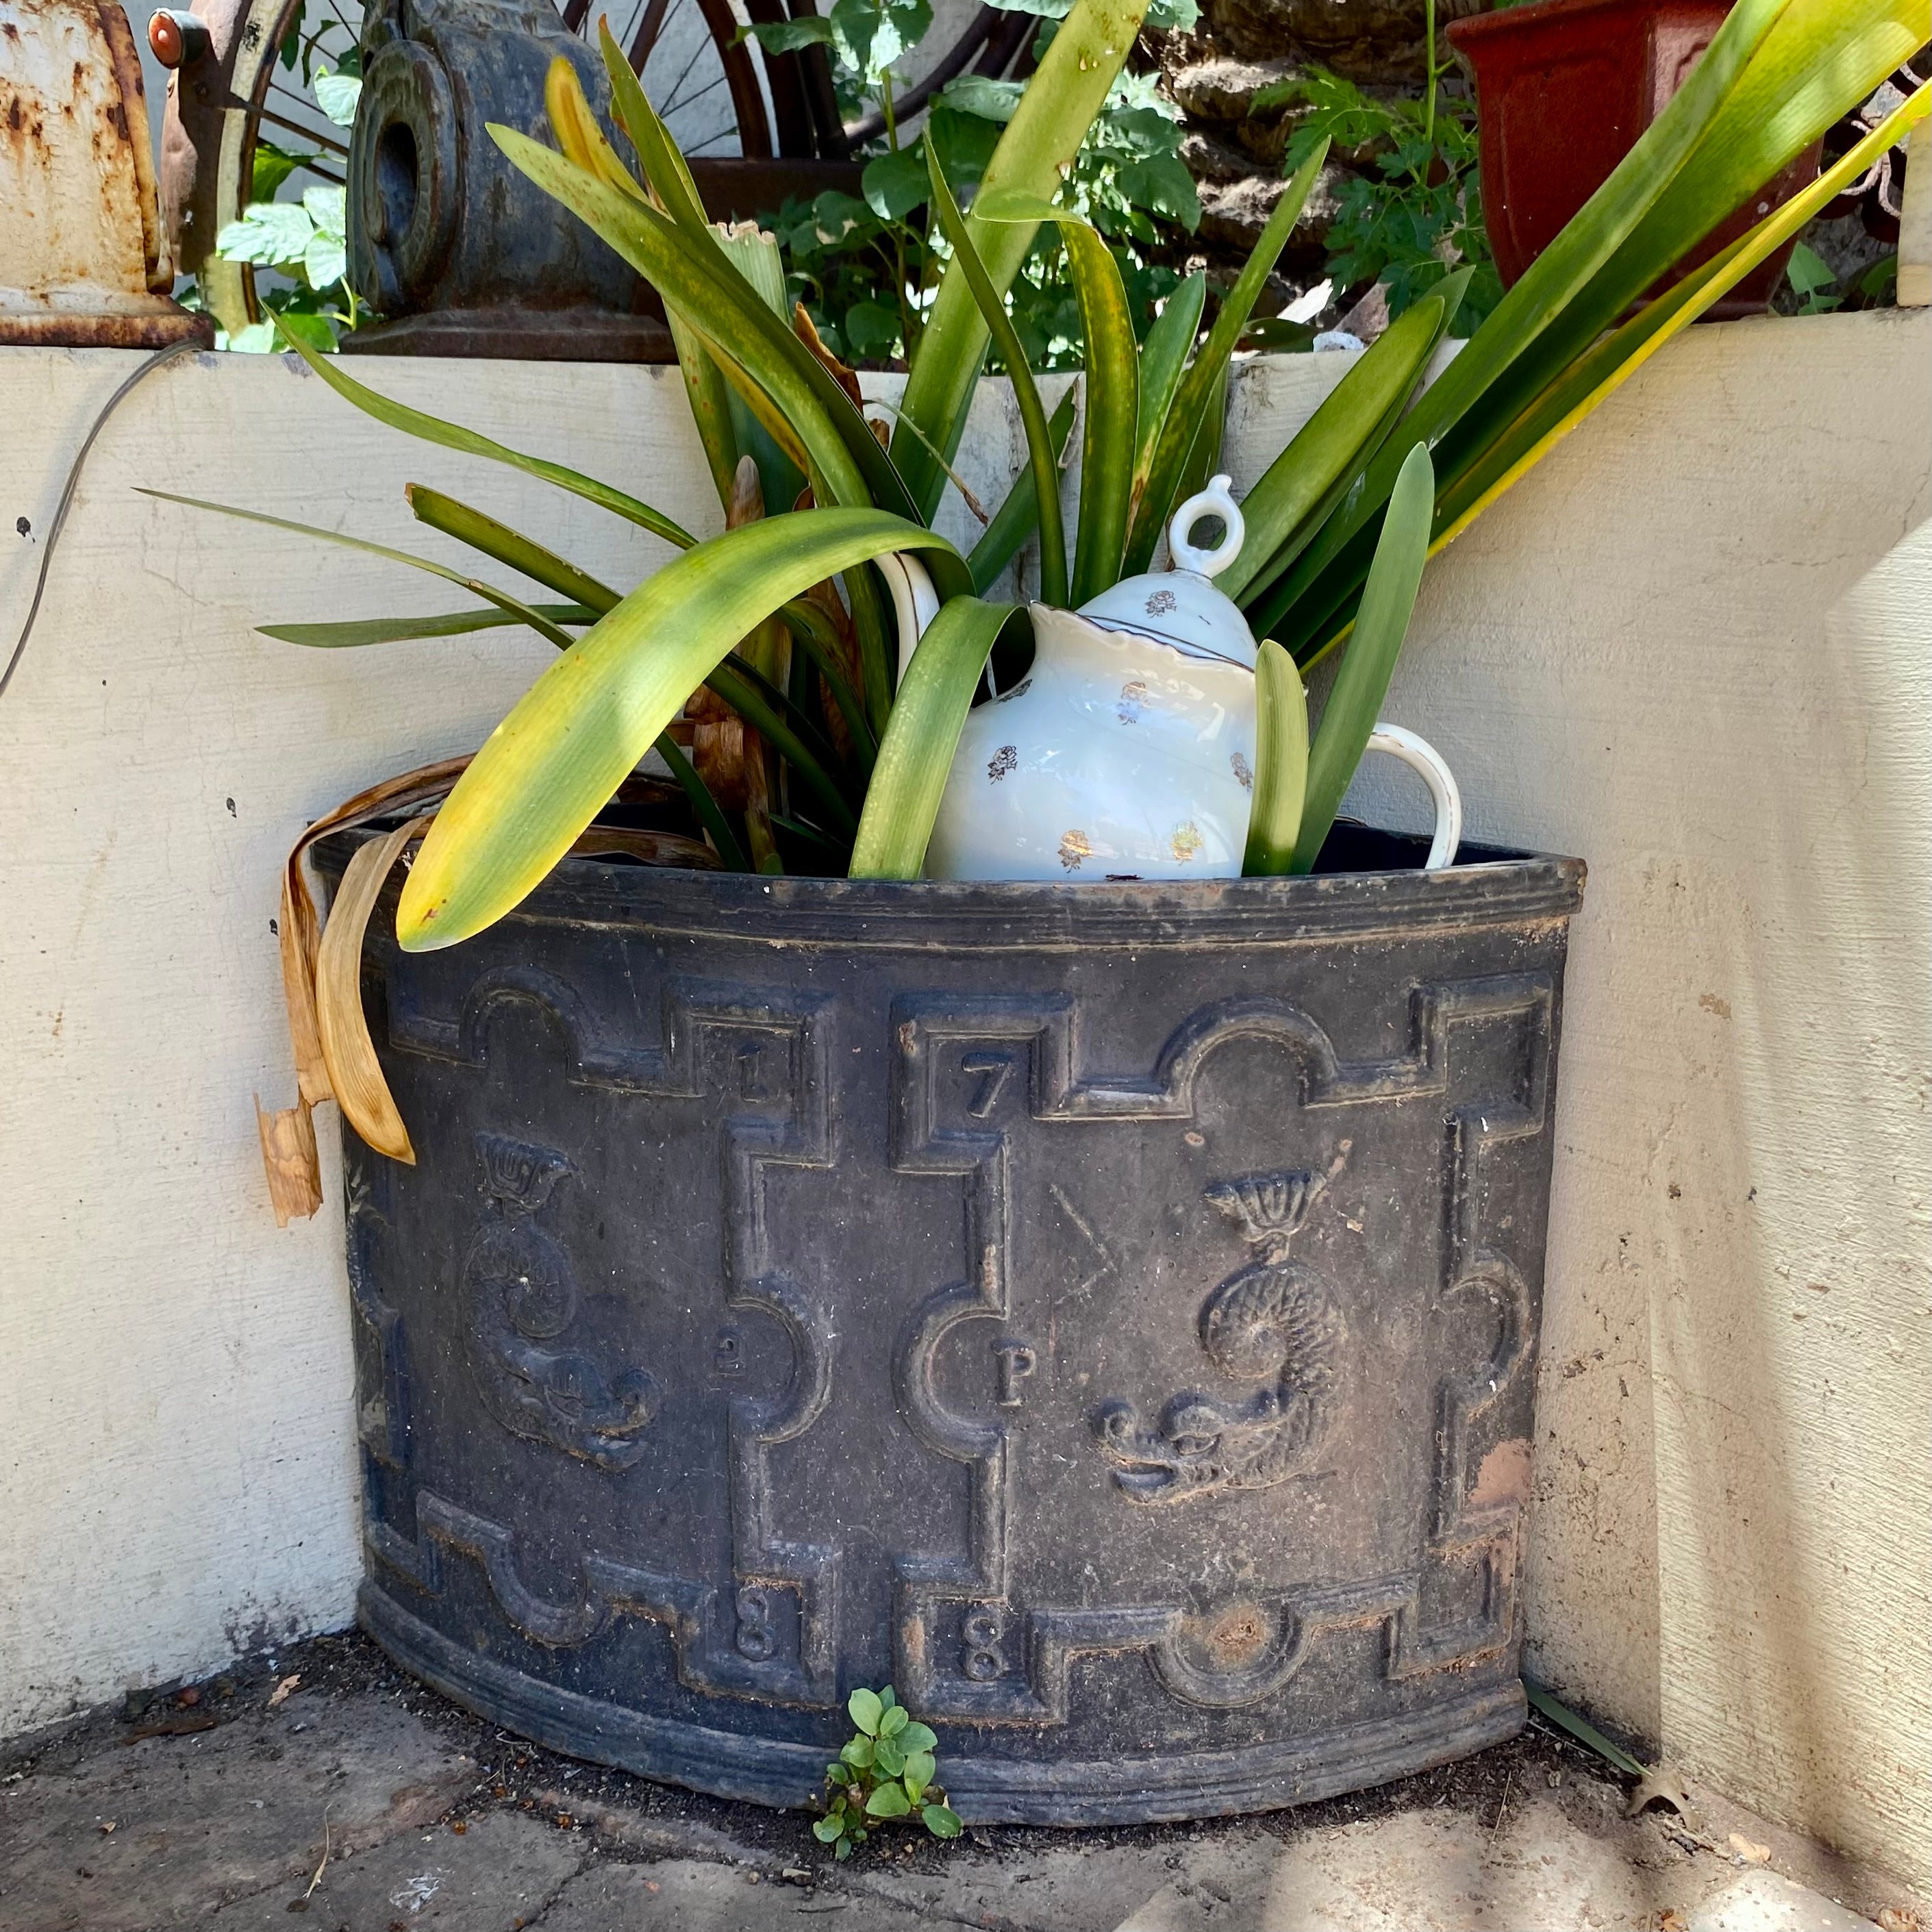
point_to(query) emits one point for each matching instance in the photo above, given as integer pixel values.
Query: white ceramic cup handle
(1214, 501)
(1422, 757)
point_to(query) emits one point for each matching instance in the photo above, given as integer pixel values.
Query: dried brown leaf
(354, 1072)
(847, 378)
(280, 1695)
(288, 1155)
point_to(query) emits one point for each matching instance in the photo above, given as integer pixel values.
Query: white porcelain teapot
(1128, 749)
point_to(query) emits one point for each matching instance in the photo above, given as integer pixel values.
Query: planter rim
(1494, 885)
(1476, 28)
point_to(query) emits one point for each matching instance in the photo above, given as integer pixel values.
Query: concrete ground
(360, 1802)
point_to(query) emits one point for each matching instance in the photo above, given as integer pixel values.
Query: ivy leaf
(887, 1757)
(918, 1775)
(918, 1737)
(269, 232)
(865, 1709)
(941, 1821)
(897, 183)
(786, 36)
(336, 95)
(1161, 182)
(989, 100)
(325, 260)
(889, 1801)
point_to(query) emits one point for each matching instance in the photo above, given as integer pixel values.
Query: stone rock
(1374, 40)
(1225, 90)
(1209, 159)
(499, 1876)
(167, 1829)
(1233, 213)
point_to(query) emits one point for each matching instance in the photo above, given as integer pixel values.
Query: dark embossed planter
(1107, 1313)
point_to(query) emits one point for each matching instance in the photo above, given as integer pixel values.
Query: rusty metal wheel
(229, 89)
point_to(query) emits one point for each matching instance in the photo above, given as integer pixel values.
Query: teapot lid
(1179, 606)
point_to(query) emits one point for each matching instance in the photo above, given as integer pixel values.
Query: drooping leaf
(916, 755)
(1041, 461)
(453, 435)
(543, 771)
(515, 607)
(1380, 624)
(355, 631)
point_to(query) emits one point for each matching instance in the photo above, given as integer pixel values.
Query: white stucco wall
(1690, 649)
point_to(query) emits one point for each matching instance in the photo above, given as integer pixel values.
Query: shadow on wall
(1707, 676)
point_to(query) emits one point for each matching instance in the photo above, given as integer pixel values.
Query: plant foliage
(885, 1772)
(801, 618)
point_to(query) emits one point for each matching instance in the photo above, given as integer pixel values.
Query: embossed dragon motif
(523, 1294)
(1274, 1320)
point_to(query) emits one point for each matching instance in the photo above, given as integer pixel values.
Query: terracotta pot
(1563, 89)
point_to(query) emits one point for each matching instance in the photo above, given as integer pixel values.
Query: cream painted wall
(1691, 649)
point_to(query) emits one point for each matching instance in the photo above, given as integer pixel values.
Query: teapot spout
(915, 602)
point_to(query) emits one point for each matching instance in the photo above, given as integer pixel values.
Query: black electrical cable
(113, 403)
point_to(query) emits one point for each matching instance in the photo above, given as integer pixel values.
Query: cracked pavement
(361, 1802)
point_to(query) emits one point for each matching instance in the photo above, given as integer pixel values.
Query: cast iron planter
(1564, 89)
(1107, 1313)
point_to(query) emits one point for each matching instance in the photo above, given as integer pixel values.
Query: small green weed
(885, 1772)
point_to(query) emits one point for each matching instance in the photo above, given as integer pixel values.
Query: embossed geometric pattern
(1126, 1351)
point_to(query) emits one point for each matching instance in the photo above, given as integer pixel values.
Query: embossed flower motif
(1074, 846)
(1002, 761)
(1244, 777)
(1161, 602)
(1187, 841)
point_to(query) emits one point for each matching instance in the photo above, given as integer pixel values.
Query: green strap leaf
(1543, 295)
(1281, 763)
(544, 771)
(1303, 486)
(355, 632)
(498, 540)
(665, 169)
(515, 606)
(738, 325)
(1362, 682)
(1113, 387)
(1036, 149)
(1594, 376)
(1041, 461)
(1018, 516)
(915, 755)
(1180, 430)
(1163, 358)
(453, 435)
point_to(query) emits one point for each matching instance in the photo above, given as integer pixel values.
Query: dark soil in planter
(1108, 1313)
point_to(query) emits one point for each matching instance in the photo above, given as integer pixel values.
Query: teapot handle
(1422, 757)
(1214, 501)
